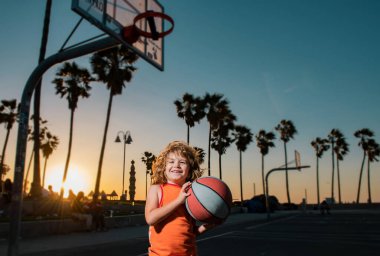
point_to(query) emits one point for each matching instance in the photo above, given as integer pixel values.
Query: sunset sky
(315, 62)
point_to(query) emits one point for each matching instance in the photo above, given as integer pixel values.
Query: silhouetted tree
(9, 111)
(215, 107)
(242, 137)
(31, 133)
(332, 138)
(221, 138)
(113, 67)
(364, 135)
(72, 82)
(287, 130)
(320, 146)
(48, 145)
(373, 152)
(341, 149)
(190, 109)
(201, 155)
(148, 159)
(264, 141)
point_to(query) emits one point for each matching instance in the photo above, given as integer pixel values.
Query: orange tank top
(174, 235)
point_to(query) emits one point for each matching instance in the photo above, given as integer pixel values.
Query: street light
(127, 139)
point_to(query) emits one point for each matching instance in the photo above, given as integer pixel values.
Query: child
(172, 231)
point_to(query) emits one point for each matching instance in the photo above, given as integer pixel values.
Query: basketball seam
(204, 206)
(229, 210)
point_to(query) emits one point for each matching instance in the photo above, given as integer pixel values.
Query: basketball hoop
(132, 33)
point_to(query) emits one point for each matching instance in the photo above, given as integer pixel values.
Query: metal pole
(125, 142)
(267, 206)
(34, 78)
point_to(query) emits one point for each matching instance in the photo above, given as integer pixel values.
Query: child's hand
(204, 227)
(184, 192)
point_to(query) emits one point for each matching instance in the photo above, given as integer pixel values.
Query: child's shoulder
(155, 191)
(155, 188)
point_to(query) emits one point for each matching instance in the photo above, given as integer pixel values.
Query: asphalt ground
(340, 233)
(344, 232)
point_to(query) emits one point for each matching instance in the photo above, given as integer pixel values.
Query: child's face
(177, 169)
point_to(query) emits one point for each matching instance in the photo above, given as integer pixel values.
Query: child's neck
(175, 183)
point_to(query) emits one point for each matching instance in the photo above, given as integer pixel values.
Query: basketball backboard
(112, 16)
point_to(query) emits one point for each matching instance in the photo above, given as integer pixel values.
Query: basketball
(210, 200)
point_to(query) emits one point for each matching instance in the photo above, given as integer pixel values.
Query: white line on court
(212, 237)
(267, 223)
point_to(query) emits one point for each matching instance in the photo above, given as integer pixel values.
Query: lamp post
(126, 139)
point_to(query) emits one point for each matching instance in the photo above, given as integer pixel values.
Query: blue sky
(312, 62)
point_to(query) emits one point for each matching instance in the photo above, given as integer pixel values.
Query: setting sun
(76, 180)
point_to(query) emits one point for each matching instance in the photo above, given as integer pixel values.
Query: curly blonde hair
(184, 150)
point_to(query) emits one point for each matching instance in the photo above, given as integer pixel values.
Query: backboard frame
(111, 16)
(297, 158)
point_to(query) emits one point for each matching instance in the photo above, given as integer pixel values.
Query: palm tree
(242, 137)
(214, 106)
(287, 130)
(364, 135)
(48, 145)
(341, 149)
(201, 155)
(333, 137)
(264, 141)
(113, 67)
(72, 82)
(320, 146)
(5, 168)
(31, 134)
(221, 139)
(373, 152)
(190, 109)
(36, 185)
(148, 159)
(9, 112)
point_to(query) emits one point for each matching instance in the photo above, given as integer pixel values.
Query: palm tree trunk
(68, 152)
(43, 176)
(333, 170)
(338, 173)
(209, 152)
(146, 185)
(369, 182)
(241, 177)
(36, 185)
(286, 174)
(360, 179)
(27, 171)
(318, 198)
(99, 174)
(2, 160)
(262, 173)
(220, 166)
(188, 134)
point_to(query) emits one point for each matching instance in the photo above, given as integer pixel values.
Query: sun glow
(76, 180)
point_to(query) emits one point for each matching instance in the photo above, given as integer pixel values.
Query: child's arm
(204, 227)
(155, 214)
